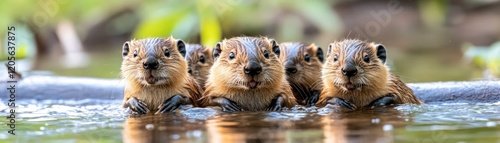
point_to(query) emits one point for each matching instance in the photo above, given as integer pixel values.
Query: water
(104, 121)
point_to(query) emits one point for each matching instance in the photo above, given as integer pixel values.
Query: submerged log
(79, 88)
(65, 88)
(458, 91)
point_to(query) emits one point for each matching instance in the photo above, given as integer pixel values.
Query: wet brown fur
(373, 79)
(227, 78)
(199, 70)
(308, 75)
(172, 76)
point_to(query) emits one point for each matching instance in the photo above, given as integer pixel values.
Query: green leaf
(210, 30)
(162, 24)
(485, 57)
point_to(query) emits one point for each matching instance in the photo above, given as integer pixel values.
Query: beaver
(246, 76)
(199, 59)
(156, 76)
(302, 63)
(355, 75)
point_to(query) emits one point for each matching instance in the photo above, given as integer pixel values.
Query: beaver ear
(125, 49)
(216, 51)
(275, 47)
(207, 51)
(328, 52)
(319, 54)
(181, 46)
(381, 53)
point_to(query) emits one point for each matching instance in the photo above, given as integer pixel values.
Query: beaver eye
(366, 59)
(231, 55)
(307, 58)
(135, 53)
(167, 52)
(266, 54)
(335, 58)
(202, 59)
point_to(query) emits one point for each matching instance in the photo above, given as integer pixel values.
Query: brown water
(104, 121)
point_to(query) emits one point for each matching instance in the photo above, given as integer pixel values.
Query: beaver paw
(342, 102)
(171, 104)
(311, 100)
(383, 101)
(227, 105)
(276, 104)
(137, 106)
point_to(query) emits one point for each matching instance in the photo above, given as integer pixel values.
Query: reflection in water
(90, 121)
(184, 126)
(232, 128)
(374, 125)
(297, 126)
(262, 127)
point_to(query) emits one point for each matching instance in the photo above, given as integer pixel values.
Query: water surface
(104, 121)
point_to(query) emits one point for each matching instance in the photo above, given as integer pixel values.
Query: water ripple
(94, 121)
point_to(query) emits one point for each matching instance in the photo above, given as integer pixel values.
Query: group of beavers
(257, 74)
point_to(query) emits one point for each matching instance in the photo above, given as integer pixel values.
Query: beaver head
(154, 61)
(355, 65)
(302, 63)
(247, 63)
(199, 59)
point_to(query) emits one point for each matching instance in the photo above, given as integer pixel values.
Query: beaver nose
(150, 64)
(349, 71)
(290, 67)
(253, 68)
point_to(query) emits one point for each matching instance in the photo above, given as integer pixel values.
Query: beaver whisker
(371, 80)
(316, 83)
(296, 87)
(150, 79)
(268, 79)
(362, 80)
(244, 54)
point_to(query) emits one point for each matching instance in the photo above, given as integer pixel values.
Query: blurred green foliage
(203, 21)
(192, 20)
(47, 13)
(485, 57)
(180, 18)
(433, 12)
(209, 21)
(23, 43)
(209, 18)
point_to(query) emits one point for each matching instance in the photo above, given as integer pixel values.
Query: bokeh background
(427, 40)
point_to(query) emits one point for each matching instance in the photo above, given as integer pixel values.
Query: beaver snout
(290, 67)
(150, 64)
(349, 71)
(253, 68)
